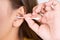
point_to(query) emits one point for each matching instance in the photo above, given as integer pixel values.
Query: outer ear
(19, 13)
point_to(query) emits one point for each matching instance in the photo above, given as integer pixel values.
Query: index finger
(51, 1)
(38, 8)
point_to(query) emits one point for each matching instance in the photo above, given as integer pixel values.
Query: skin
(48, 30)
(50, 27)
(9, 23)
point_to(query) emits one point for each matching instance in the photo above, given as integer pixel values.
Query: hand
(49, 29)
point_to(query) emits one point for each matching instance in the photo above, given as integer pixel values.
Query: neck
(13, 35)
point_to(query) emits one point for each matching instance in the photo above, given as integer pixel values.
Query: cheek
(5, 22)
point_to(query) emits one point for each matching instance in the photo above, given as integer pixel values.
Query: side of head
(9, 10)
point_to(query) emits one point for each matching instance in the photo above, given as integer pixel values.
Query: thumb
(42, 31)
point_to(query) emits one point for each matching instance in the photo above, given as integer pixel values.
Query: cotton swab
(30, 18)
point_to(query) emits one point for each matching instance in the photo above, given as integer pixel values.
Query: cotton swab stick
(32, 18)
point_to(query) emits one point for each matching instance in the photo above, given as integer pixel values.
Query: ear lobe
(18, 22)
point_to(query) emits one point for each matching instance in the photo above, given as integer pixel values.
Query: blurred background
(40, 1)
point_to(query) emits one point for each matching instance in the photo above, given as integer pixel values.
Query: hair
(24, 30)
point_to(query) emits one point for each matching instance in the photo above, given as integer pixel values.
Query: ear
(17, 20)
